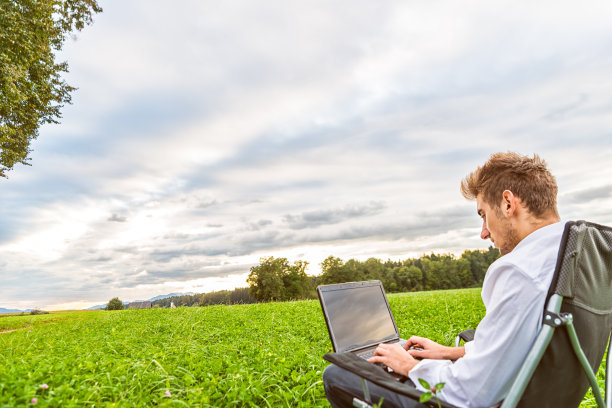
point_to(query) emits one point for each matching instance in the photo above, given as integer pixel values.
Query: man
(516, 197)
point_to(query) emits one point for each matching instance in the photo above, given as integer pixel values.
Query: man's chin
(506, 249)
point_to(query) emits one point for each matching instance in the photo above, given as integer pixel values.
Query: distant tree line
(275, 279)
(222, 297)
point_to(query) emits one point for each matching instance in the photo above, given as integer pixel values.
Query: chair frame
(553, 320)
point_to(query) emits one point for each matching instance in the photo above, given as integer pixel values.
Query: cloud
(315, 218)
(256, 226)
(117, 218)
(589, 194)
(563, 111)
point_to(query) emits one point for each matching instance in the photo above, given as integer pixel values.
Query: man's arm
(420, 347)
(403, 359)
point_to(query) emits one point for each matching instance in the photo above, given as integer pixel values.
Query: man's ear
(509, 203)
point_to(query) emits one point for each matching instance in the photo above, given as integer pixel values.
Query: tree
(353, 271)
(373, 269)
(431, 272)
(479, 262)
(32, 91)
(464, 272)
(265, 280)
(332, 270)
(410, 278)
(295, 281)
(114, 304)
(274, 279)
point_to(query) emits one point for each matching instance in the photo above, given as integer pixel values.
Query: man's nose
(484, 234)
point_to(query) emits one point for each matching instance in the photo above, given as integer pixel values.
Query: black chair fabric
(584, 277)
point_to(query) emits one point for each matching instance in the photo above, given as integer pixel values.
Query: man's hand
(420, 347)
(394, 356)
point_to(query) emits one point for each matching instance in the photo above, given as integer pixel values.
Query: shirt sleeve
(483, 376)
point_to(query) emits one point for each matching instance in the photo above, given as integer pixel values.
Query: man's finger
(379, 350)
(414, 340)
(420, 354)
(417, 340)
(375, 359)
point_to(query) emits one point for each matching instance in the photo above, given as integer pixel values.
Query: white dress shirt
(514, 291)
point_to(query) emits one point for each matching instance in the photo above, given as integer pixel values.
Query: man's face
(496, 226)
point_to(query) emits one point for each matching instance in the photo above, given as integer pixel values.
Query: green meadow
(259, 355)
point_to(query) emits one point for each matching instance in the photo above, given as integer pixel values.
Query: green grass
(247, 355)
(14, 322)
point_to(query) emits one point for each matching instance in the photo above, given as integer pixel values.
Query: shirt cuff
(429, 370)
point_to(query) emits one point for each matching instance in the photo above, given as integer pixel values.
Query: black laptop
(358, 317)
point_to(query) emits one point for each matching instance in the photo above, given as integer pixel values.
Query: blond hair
(527, 178)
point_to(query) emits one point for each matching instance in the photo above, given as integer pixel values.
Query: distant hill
(153, 299)
(100, 307)
(3, 310)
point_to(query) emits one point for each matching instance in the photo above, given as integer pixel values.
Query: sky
(205, 135)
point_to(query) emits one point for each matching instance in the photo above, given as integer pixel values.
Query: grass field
(247, 355)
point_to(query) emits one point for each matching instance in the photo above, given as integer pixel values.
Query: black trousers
(340, 386)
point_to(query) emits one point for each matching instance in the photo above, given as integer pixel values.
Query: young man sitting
(516, 197)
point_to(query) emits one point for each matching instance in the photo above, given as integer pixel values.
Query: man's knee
(338, 387)
(332, 373)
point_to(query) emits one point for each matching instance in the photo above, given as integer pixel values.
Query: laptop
(358, 317)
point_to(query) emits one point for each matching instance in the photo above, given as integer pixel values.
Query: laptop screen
(357, 314)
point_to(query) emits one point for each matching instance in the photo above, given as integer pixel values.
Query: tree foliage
(429, 272)
(114, 304)
(32, 91)
(275, 279)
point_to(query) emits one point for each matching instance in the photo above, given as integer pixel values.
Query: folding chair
(567, 353)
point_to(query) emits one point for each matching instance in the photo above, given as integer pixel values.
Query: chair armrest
(466, 335)
(377, 375)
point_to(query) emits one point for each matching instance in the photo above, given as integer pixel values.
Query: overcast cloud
(206, 135)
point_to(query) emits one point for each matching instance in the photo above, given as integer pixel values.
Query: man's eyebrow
(479, 211)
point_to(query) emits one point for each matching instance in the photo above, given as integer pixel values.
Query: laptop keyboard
(367, 355)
